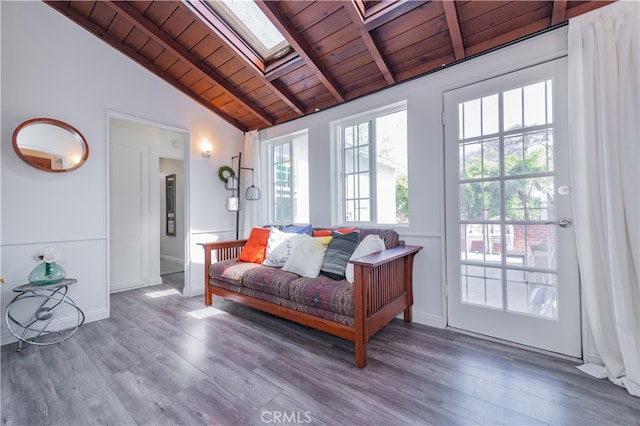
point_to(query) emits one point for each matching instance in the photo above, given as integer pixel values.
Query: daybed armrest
(224, 250)
(386, 256)
(383, 287)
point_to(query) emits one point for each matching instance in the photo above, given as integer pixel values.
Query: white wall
(53, 68)
(424, 98)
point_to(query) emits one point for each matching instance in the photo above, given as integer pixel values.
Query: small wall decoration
(225, 172)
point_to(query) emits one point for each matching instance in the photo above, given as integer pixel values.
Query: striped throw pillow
(338, 253)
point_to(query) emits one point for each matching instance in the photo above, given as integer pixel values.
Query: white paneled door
(511, 258)
(129, 216)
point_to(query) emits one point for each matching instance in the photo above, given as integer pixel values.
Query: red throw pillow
(256, 246)
(322, 232)
(346, 230)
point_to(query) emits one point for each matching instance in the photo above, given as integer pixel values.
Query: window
(288, 169)
(252, 26)
(372, 159)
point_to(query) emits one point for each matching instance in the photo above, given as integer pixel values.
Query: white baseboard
(172, 259)
(62, 323)
(428, 319)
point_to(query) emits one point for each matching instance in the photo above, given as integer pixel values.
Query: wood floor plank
(162, 359)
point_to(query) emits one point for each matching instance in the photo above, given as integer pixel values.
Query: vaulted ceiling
(341, 49)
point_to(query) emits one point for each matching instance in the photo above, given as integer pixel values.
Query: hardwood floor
(167, 360)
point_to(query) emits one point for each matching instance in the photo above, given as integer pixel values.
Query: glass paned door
(511, 268)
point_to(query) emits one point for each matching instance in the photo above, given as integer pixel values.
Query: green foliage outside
(525, 198)
(402, 198)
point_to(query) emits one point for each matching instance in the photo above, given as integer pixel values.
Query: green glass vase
(46, 273)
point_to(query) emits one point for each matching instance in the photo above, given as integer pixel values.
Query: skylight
(252, 26)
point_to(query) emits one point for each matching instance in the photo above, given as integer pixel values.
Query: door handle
(563, 222)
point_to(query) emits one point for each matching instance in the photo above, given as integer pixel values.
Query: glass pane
(539, 198)
(472, 161)
(472, 117)
(512, 105)
(463, 242)
(513, 155)
(473, 286)
(536, 152)
(364, 211)
(520, 247)
(348, 136)
(550, 165)
(363, 134)
(349, 160)
(363, 158)
(532, 293)
(350, 210)
(491, 199)
(475, 239)
(496, 232)
(514, 199)
(517, 292)
(541, 242)
(494, 293)
(363, 185)
(252, 25)
(535, 104)
(471, 201)
(490, 123)
(543, 295)
(481, 286)
(392, 183)
(491, 158)
(351, 186)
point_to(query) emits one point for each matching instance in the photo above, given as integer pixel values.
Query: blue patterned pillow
(338, 253)
(298, 229)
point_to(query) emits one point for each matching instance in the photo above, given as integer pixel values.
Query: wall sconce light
(206, 148)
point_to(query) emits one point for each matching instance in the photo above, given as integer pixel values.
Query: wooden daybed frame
(383, 288)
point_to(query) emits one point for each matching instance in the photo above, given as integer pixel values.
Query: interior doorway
(143, 251)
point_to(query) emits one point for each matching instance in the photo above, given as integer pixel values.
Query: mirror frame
(69, 128)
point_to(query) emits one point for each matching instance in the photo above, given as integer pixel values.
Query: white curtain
(604, 117)
(252, 209)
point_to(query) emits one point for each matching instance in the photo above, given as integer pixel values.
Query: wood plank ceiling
(341, 49)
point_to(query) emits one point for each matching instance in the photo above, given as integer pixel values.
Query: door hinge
(442, 117)
(446, 291)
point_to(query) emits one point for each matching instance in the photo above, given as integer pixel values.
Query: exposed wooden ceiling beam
(454, 28)
(378, 16)
(559, 11)
(300, 45)
(145, 25)
(64, 8)
(354, 13)
(285, 68)
(242, 52)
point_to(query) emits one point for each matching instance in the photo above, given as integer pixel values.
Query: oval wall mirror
(50, 145)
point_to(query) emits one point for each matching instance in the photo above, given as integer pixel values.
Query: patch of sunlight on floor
(163, 293)
(206, 312)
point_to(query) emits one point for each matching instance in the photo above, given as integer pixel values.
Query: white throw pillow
(370, 244)
(279, 247)
(308, 254)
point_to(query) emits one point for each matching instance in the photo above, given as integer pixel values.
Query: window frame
(269, 176)
(339, 207)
